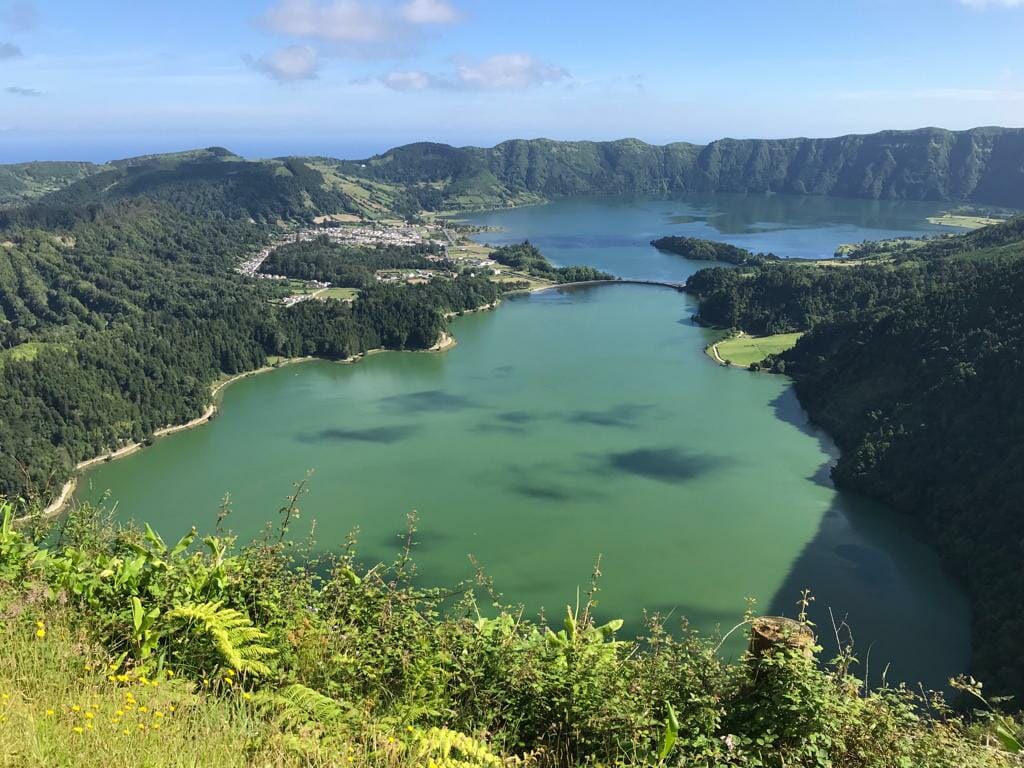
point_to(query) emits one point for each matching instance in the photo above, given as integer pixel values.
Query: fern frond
(454, 749)
(298, 705)
(231, 632)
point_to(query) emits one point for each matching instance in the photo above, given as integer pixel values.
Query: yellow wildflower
(89, 715)
(49, 713)
(40, 633)
(76, 729)
(75, 708)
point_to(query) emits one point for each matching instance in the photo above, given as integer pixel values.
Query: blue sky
(110, 78)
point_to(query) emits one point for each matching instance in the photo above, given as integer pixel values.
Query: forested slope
(119, 306)
(915, 368)
(984, 165)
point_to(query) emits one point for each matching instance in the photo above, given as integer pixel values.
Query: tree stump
(772, 633)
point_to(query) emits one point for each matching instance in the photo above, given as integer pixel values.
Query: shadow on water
(554, 493)
(381, 435)
(788, 409)
(666, 465)
(623, 415)
(875, 582)
(425, 401)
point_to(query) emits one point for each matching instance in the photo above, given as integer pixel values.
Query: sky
(105, 79)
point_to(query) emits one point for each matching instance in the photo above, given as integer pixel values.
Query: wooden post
(771, 633)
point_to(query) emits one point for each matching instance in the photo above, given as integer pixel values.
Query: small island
(698, 249)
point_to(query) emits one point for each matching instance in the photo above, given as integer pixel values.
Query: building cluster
(368, 235)
(356, 235)
(251, 266)
(409, 276)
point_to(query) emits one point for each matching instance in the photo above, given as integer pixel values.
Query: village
(456, 251)
(360, 235)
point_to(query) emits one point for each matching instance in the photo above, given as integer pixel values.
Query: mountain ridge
(983, 165)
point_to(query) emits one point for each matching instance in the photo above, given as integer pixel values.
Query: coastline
(55, 507)
(443, 344)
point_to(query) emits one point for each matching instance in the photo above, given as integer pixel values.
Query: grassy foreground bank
(119, 648)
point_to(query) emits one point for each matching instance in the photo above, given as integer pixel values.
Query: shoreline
(443, 344)
(55, 507)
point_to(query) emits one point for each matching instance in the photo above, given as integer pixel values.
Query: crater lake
(575, 423)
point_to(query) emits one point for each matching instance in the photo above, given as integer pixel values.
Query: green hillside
(120, 307)
(981, 165)
(26, 181)
(914, 367)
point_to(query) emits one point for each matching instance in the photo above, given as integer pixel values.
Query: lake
(576, 423)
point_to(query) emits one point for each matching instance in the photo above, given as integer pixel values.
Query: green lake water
(574, 423)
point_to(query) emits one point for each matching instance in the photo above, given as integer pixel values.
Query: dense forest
(698, 249)
(525, 257)
(980, 165)
(914, 366)
(119, 309)
(345, 265)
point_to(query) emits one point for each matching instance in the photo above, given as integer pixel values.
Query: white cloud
(408, 81)
(9, 51)
(429, 12)
(502, 72)
(15, 90)
(296, 62)
(350, 21)
(508, 72)
(360, 22)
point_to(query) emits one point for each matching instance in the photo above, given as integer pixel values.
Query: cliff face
(984, 165)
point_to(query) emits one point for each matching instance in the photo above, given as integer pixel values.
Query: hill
(120, 307)
(982, 165)
(913, 366)
(26, 181)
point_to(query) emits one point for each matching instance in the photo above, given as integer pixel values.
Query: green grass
(744, 350)
(27, 351)
(57, 707)
(963, 221)
(345, 294)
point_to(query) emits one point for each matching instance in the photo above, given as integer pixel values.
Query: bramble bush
(302, 660)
